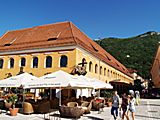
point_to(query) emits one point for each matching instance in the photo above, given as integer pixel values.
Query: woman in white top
(131, 106)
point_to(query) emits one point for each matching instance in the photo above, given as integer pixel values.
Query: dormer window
(8, 44)
(94, 47)
(108, 57)
(123, 68)
(117, 64)
(54, 37)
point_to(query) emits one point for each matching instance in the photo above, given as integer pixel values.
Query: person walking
(124, 106)
(115, 105)
(131, 108)
(137, 96)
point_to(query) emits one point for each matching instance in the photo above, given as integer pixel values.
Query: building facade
(44, 49)
(155, 71)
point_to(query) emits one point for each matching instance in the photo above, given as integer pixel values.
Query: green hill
(136, 52)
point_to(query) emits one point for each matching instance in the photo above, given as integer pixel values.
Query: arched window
(11, 63)
(23, 62)
(96, 68)
(90, 66)
(104, 71)
(63, 61)
(48, 62)
(108, 73)
(111, 74)
(35, 62)
(1, 63)
(100, 70)
(115, 75)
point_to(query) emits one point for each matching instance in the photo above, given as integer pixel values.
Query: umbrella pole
(50, 96)
(80, 94)
(68, 93)
(99, 93)
(23, 97)
(60, 97)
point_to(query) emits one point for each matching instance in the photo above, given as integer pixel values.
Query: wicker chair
(70, 112)
(72, 104)
(54, 104)
(27, 108)
(86, 106)
(44, 108)
(97, 105)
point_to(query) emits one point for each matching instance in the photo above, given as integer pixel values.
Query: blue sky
(96, 18)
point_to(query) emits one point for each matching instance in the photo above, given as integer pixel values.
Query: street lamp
(127, 56)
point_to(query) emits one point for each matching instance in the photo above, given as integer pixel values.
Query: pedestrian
(115, 105)
(137, 96)
(131, 92)
(131, 108)
(124, 106)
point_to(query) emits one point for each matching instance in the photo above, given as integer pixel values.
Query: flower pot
(13, 111)
(109, 104)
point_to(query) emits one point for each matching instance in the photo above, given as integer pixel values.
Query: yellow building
(155, 71)
(44, 49)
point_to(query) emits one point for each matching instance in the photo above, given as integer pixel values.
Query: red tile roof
(55, 35)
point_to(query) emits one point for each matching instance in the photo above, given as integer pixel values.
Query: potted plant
(109, 102)
(108, 97)
(11, 99)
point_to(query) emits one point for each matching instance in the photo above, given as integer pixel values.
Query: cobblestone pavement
(149, 109)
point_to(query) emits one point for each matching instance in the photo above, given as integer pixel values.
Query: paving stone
(149, 109)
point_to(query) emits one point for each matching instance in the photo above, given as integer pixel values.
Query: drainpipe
(99, 69)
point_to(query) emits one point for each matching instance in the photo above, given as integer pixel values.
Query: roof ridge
(70, 24)
(4, 34)
(36, 26)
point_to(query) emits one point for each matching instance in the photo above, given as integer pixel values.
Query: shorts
(124, 109)
(132, 110)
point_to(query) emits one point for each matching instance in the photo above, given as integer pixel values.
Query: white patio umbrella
(98, 84)
(17, 81)
(95, 83)
(59, 79)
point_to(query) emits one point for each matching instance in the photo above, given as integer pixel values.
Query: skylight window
(108, 57)
(54, 37)
(8, 44)
(117, 64)
(94, 48)
(123, 68)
